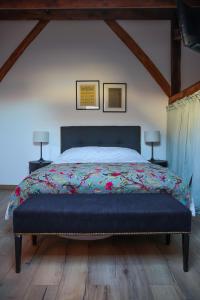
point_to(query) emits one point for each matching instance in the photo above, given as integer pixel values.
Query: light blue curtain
(183, 142)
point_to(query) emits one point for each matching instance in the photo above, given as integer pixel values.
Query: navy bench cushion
(101, 213)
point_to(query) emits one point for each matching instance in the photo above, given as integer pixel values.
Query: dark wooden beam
(186, 92)
(88, 14)
(21, 48)
(79, 4)
(141, 55)
(175, 57)
(192, 3)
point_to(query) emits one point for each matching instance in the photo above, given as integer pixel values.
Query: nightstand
(163, 163)
(34, 165)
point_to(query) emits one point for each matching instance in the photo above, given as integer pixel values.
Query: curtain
(183, 142)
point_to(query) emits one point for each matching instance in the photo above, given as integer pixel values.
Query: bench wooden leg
(185, 246)
(18, 250)
(34, 240)
(168, 239)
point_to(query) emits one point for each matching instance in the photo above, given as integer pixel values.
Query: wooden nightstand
(34, 165)
(163, 163)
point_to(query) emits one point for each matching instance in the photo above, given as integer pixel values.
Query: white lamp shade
(152, 136)
(40, 136)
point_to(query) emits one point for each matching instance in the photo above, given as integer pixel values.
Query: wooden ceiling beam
(141, 55)
(192, 3)
(175, 57)
(84, 4)
(21, 48)
(186, 92)
(87, 14)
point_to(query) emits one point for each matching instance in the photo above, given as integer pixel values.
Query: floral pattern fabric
(100, 178)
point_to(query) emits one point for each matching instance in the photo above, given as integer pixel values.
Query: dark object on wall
(104, 136)
(114, 97)
(189, 21)
(87, 95)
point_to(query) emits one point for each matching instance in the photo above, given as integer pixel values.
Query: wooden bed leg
(167, 239)
(34, 240)
(185, 245)
(18, 250)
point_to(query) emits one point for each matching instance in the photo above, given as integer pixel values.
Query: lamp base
(152, 156)
(41, 160)
(152, 160)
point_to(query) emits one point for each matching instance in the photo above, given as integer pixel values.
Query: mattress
(100, 178)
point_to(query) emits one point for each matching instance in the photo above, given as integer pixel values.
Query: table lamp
(152, 137)
(41, 137)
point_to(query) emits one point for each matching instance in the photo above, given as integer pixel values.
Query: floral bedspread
(100, 178)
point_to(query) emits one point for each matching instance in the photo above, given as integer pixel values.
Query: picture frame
(87, 94)
(114, 97)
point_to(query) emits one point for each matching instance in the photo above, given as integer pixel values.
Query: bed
(101, 177)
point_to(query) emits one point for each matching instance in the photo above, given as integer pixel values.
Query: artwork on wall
(114, 97)
(87, 95)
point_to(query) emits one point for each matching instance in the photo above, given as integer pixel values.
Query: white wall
(39, 91)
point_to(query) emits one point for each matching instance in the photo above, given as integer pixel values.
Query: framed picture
(87, 95)
(114, 97)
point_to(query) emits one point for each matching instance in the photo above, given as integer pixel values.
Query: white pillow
(94, 154)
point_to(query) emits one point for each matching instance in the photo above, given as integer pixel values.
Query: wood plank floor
(119, 268)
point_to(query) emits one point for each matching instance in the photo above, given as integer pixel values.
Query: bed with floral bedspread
(100, 178)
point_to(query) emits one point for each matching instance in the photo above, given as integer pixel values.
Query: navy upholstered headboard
(107, 136)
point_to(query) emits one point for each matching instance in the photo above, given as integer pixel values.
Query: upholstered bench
(101, 214)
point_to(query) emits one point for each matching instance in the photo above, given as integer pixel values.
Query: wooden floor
(115, 268)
